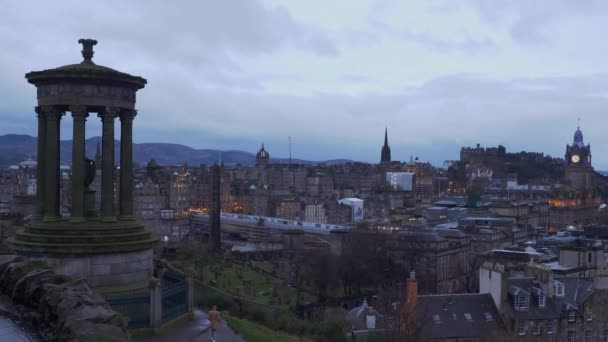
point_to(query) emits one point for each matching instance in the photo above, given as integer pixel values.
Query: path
(191, 332)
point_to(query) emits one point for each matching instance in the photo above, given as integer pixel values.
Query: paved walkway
(197, 330)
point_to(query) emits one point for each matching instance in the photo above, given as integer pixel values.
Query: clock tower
(579, 171)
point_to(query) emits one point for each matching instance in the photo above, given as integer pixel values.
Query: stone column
(40, 169)
(107, 161)
(51, 162)
(126, 164)
(156, 303)
(79, 114)
(189, 273)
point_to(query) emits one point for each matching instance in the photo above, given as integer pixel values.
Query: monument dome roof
(86, 70)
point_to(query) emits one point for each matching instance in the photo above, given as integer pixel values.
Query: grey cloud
(201, 93)
(528, 21)
(465, 44)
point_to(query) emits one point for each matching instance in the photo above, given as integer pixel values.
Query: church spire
(385, 136)
(385, 156)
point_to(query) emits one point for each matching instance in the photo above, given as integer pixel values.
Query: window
(542, 299)
(489, 317)
(436, 318)
(571, 337)
(571, 316)
(589, 257)
(605, 337)
(588, 335)
(559, 289)
(551, 327)
(536, 327)
(521, 302)
(468, 317)
(521, 328)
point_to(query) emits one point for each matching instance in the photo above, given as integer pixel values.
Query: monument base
(101, 270)
(104, 253)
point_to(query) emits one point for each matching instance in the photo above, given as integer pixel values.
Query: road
(197, 330)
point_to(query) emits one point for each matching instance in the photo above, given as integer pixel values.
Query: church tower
(262, 158)
(579, 171)
(385, 156)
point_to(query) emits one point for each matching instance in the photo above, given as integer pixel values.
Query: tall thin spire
(385, 156)
(385, 136)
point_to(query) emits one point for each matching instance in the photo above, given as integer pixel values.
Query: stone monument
(106, 248)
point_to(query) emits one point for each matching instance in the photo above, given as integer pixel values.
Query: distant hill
(16, 148)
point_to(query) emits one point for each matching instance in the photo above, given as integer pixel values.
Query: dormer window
(542, 299)
(559, 289)
(521, 302)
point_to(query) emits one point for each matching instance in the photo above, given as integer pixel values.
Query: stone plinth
(104, 253)
(102, 270)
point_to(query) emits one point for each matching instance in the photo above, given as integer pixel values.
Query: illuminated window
(571, 337)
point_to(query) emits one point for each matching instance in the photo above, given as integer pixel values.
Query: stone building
(149, 199)
(525, 212)
(289, 209)
(488, 233)
(538, 307)
(315, 213)
(180, 190)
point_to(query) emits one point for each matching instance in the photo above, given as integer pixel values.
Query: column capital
(127, 115)
(109, 113)
(79, 112)
(51, 112)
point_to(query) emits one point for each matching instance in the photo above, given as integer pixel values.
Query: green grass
(232, 277)
(253, 332)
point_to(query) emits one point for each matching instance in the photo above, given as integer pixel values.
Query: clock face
(575, 158)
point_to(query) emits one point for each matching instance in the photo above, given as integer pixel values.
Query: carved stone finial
(87, 49)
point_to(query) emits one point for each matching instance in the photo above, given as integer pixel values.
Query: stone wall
(61, 308)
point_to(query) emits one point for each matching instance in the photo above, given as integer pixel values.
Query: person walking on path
(214, 317)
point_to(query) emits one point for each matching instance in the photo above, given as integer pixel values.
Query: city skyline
(439, 76)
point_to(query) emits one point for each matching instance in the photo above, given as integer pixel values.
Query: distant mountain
(15, 148)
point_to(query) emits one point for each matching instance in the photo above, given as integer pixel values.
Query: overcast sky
(231, 74)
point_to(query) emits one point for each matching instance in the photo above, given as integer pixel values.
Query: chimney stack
(408, 302)
(411, 290)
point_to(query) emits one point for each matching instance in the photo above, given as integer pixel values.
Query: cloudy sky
(232, 74)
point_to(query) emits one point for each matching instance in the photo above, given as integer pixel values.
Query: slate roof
(576, 292)
(459, 316)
